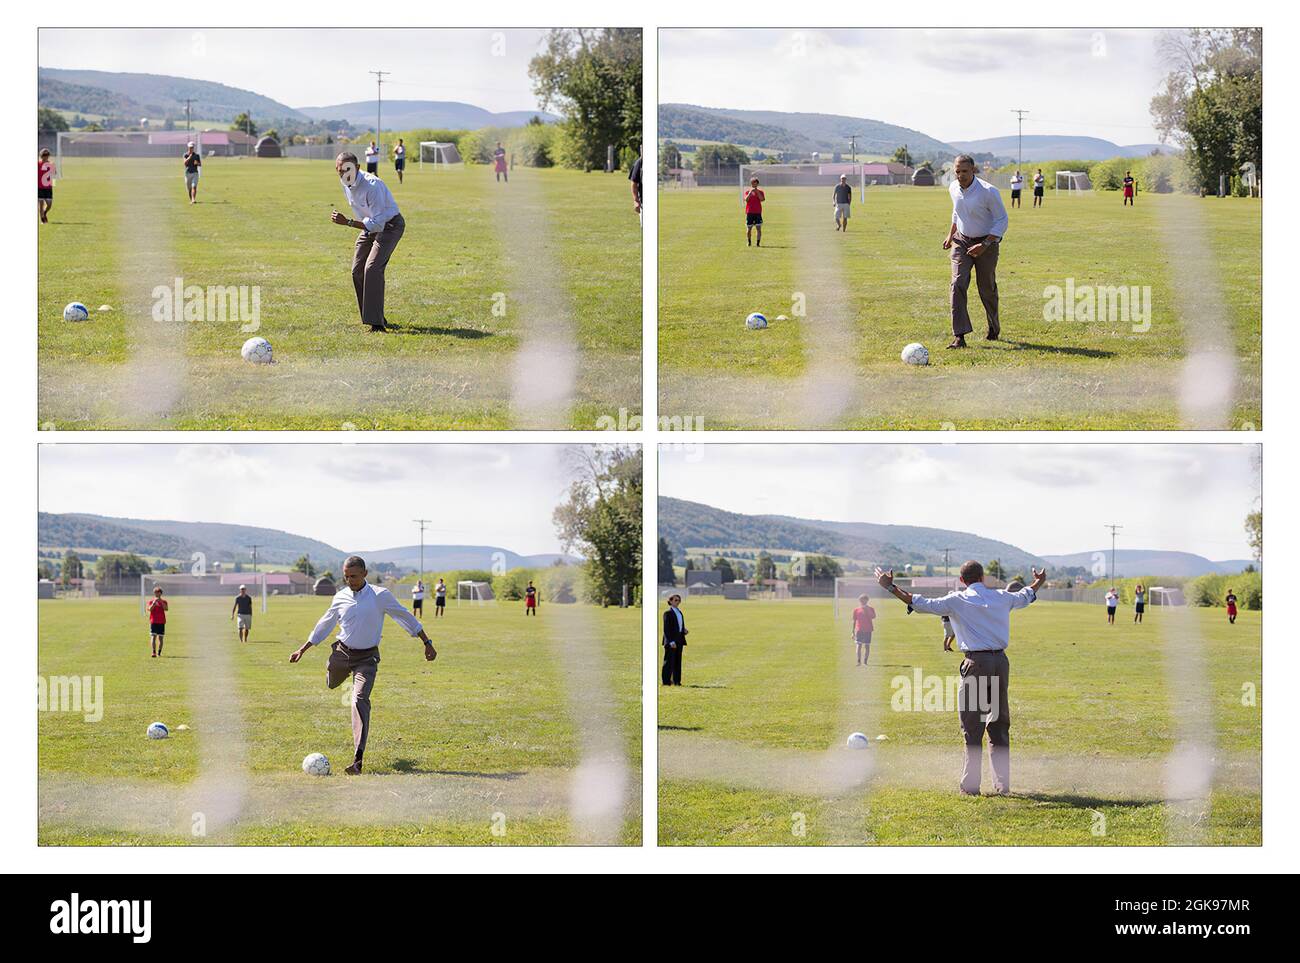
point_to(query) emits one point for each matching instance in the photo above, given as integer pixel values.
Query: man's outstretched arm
(886, 580)
(397, 612)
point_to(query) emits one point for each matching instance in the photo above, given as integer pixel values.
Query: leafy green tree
(72, 567)
(120, 567)
(995, 570)
(670, 158)
(723, 567)
(245, 123)
(50, 121)
(601, 516)
(764, 567)
(304, 565)
(719, 159)
(667, 576)
(903, 156)
(593, 78)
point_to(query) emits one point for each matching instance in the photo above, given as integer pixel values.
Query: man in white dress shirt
(381, 225)
(359, 611)
(981, 618)
(979, 221)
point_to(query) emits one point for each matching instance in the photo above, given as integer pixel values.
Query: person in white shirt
(979, 222)
(381, 225)
(358, 610)
(440, 599)
(1112, 602)
(372, 159)
(399, 160)
(981, 618)
(417, 597)
(1039, 180)
(1017, 185)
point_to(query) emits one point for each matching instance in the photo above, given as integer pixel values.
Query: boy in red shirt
(1129, 187)
(864, 616)
(157, 609)
(754, 199)
(44, 186)
(530, 600)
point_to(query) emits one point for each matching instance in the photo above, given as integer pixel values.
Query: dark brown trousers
(361, 665)
(982, 706)
(368, 263)
(986, 281)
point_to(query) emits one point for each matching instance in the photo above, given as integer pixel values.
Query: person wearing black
(635, 178)
(843, 203)
(243, 611)
(192, 160)
(674, 641)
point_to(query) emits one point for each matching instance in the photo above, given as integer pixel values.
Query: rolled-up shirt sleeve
(1022, 598)
(942, 606)
(325, 625)
(399, 615)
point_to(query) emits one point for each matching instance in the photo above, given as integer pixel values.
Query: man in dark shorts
(530, 600)
(499, 164)
(635, 177)
(843, 195)
(45, 186)
(417, 597)
(242, 612)
(399, 160)
(1038, 187)
(1017, 185)
(192, 160)
(157, 609)
(440, 599)
(381, 225)
(358, 610)
(754, 199)
(1130, 188)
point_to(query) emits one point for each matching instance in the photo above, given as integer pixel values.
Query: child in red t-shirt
(754, 199)
(157, 609)
(864, 616)
(44, 186)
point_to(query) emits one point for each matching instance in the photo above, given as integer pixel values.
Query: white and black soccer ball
(157, 730)
(256, 351)
(857, 740)
(756, 321)
(316, 764)
(916, 353)
(76, 311)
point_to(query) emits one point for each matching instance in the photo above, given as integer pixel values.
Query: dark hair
(354, 561)
(347, 155)
(971, 572)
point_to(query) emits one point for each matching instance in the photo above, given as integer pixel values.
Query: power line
(1113, 530)
(422, 522)
(379, 104)
(1020, 135)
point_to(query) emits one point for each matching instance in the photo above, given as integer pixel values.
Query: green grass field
(485, 738)
(751, 746)
(885, 283)
(482, 269)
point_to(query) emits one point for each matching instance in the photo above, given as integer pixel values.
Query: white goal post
(212, 585)
(475, 593)
(804, 175)
(847, 590)
(438, 154)
(1072, 182)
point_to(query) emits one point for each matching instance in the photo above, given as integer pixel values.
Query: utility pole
(1113, 530)
(188, 101)
(1020, 135)
(853, 148)
(421, 522)
(945, 563)
(379, 105)
(254, 554)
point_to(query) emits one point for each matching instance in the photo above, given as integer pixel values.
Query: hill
(159, 95)
(80, 99)
(413, 114)
(1042, 147)
(691, 524)
(450, 557)
(1136, 562)
(794, 131)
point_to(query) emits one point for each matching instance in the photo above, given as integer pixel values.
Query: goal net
(437, 153)
(805, 175)
(221, 585)
(475, 593)
(1072, 182)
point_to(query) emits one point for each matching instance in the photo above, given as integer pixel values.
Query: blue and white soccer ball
(256, 350)
(76, 311)
(857, 740)
(316, 765)
(157, 730)
(756, 321)
(916, 353)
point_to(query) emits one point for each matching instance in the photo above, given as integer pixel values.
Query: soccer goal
(438, 154)
(476, 593)
(221, 585)
(1072, 182)
(847, 590)
(805, 175)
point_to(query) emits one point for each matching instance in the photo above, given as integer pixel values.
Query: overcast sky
(355, 497)
(315, 68)
(955, 84)
(1045, 499)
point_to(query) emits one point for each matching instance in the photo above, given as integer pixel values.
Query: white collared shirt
(980, 616)
(360, 617)
(371, 201)
(978, 210)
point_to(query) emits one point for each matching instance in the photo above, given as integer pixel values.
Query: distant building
(268, 147)
(324, 586)
(923, 177)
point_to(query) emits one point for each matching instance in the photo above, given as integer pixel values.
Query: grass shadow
(463, 334)
(1059, 349)
(664, 728)
(1076, 801)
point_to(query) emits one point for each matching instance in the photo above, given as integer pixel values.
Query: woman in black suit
(674, 641)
